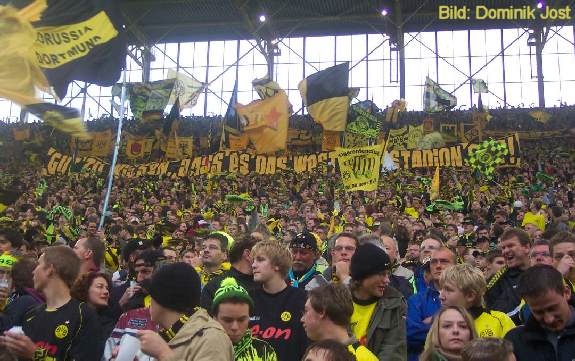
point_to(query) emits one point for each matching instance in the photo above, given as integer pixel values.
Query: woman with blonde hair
(452, 328)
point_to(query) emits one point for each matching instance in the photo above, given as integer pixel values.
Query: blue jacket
(420, 280)
(419, 307)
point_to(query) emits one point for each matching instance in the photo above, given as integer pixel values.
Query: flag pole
(116, 149)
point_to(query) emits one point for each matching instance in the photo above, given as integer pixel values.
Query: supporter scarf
(171, 332)
(309, 274)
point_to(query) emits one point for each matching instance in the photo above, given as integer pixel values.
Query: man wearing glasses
(423, 305)
(342, 249)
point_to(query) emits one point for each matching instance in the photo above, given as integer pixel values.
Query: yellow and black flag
(326, 96)
(231, 131)
(20, 74)
(80, 40)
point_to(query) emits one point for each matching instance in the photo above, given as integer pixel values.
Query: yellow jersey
(360, 320)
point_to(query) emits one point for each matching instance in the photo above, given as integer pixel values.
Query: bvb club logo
(486, 333)
(61, 331)
(286, 316)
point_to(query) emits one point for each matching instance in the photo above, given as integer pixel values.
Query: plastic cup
(128, 348)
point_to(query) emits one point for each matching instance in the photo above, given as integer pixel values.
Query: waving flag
(326, 96)
(436, 99)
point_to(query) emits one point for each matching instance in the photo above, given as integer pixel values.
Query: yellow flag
(21, 134)
(540, 116)
(330, 140)
(101, 143)
(179, 147)
(360, 167)
(267, 122)
(21, 75)
(238, 143)
(138, 147)
(434, 194)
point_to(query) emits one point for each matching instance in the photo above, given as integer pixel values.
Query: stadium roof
(200, 20)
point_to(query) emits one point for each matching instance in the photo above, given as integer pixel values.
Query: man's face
(217, 226)
(551, 309)
(427, 247)
(80, 249)
(143, 272)
(412, 252)
(212, 253)
(171, 255)
(234, 318)
(515, 254)
(343, 249)
(262, 268)
(450, 295)
(496, 264)
(389, 247)
(376, 284)
(563, 250)
(440, 260)
(483, 233)
(303, 259)
(41, 274)
(311, 321)
(92, 228)
(540, 254)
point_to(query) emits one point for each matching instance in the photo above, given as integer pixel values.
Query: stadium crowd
(290, 267)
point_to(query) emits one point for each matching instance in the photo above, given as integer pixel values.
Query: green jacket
(386, 333)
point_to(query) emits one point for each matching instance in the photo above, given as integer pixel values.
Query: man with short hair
(63, 328)
(401, 278)
(214, 256)
(188, 332)
(549, 334)
(563, 251)
(327, 316)
(378, 319)
(305, 252)
(90, 250)
(422, 306)
(502, 287)
(342, 249)
(540, 253)
(277, 305)
(232, 307)
(241, 270)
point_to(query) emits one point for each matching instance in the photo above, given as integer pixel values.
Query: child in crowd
(464, 285)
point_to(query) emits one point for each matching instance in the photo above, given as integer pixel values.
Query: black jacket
(209, 290)
(531, 343)
(19, 303)
(502, 292)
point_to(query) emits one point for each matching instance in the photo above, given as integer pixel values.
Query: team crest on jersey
(61, 331)
(285, 316)
(486, 333)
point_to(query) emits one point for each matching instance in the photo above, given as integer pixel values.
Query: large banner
(453, 156)
(360, 167)
(246, 163)
(404, 138)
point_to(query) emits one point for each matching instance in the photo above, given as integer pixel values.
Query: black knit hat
(368, 260)
(176, 286)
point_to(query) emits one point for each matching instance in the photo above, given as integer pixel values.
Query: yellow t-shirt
(360, 320)
(493, 324)
(362, 353)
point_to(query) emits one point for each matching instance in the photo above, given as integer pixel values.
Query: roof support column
(400, 47)
(539, 44)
